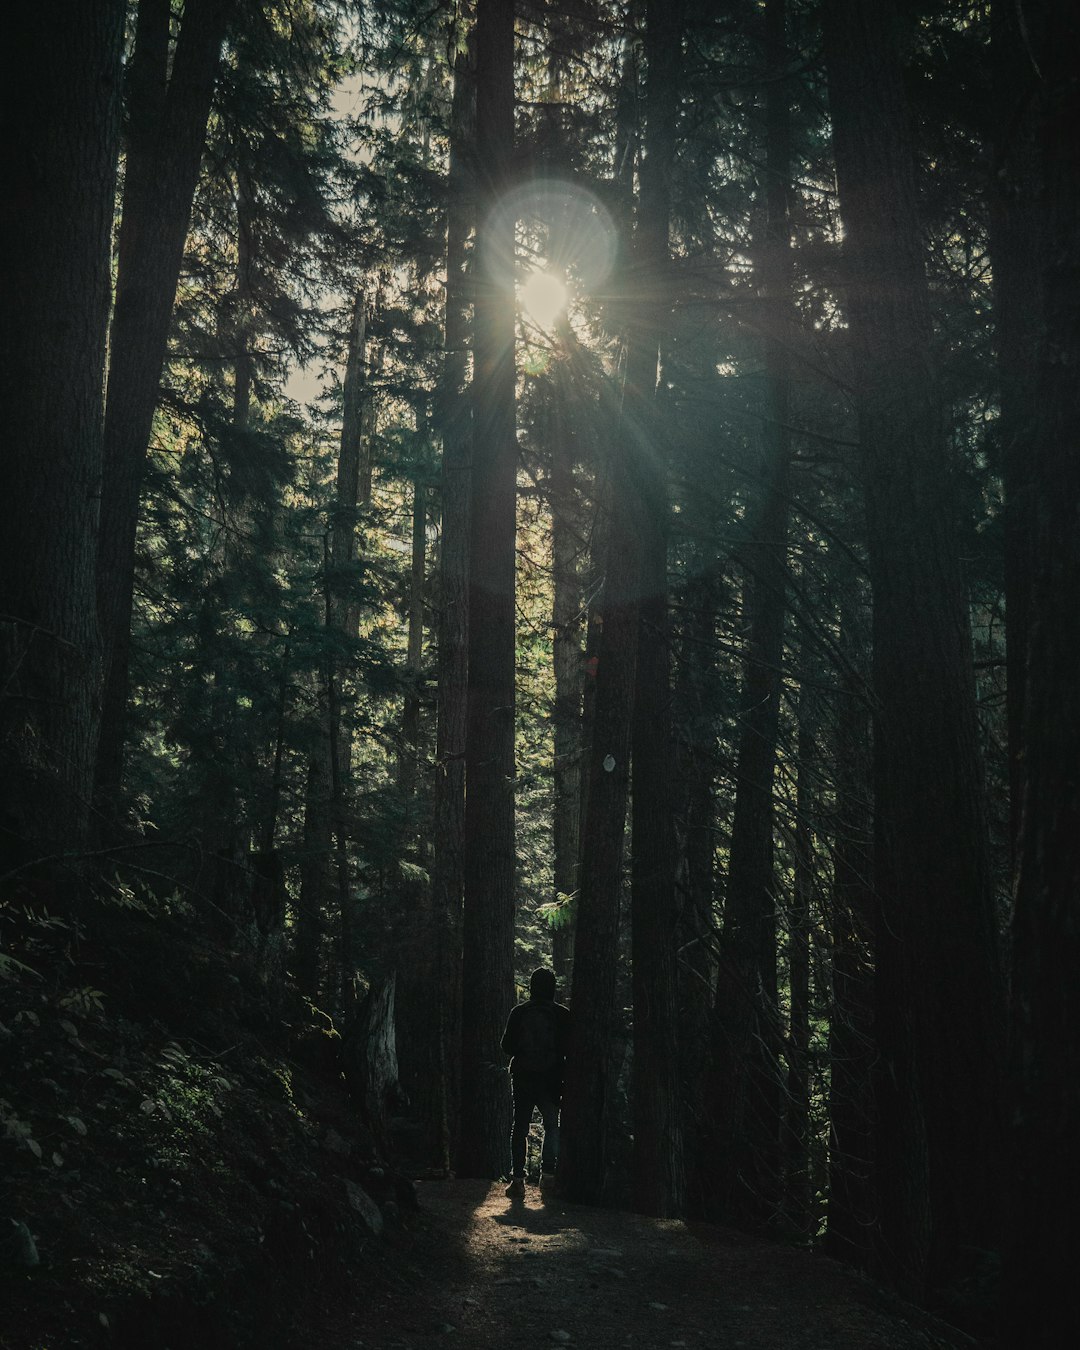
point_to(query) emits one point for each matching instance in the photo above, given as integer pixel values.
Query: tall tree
(488, 950)
(940, 1022)
(566, 660)
(1041, 1311)
(798, 1179)
(1015, 243)
(611, 658)
(747, 1166)
(452, 629)
(170, 87)
(660, 1185)
(851, 1045)
(61, 112)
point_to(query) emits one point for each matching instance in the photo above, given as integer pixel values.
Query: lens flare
(543, 297)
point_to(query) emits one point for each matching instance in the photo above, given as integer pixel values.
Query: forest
(592, 484)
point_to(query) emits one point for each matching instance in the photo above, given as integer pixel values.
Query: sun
(543, 297)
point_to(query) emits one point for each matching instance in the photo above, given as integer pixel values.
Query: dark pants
(529, 1090)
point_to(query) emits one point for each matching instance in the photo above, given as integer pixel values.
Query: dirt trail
(483, 1272)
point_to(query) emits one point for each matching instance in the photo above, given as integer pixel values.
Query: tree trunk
(353, 485)
(61, 124)
(1040, 1303)
(748, 1094)
(849, 1234)
(1015, 239)
(452, 634)
(488, 950)
(592, 1065)
(314, 900)
(168, 106)
(414, 658)
(695, 772)
(589, 1097)
(798, 1181)
(567, 661)
(659, 1177)
(342, 613)
(940, 995)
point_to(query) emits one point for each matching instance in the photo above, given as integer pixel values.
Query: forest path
(484, 1272)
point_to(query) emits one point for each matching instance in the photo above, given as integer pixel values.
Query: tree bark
(343, 614)
(589, 1097)
(695, 773)
(1015, 240)
(592, 1065)
(1040, 1306)
(414, 657)
(940, 995)
(168, 106)
(798, 1180)
(314, 899)
(851, 1210)
(659, 1172)
(452, 629)
(567, 663)
(488, 948)
(747, 1168)
(61, 111)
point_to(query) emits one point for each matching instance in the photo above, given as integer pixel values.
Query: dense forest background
(591, 484)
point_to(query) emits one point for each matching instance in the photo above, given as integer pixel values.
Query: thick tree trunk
(61, 124)
(488, 948)
(849, 1234)
(659, 1175)
(414, 929)
(589, 1103)
(567, 662)
(940, 996)
(695, 775)
(168, 106)
(798, 1180)
(1015, 241)
(589, 1100)
(452, 629)
(748, 1092)
(1040, 1303)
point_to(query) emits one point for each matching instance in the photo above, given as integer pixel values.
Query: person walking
(536, 1036)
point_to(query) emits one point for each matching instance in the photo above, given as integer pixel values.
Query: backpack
(535, 1046)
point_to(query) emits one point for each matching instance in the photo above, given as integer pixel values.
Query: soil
(478, 1270)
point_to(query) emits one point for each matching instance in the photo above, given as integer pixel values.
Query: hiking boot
(516, 1189)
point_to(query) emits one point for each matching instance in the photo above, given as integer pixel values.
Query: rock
(335, 1143)
(613, 1272)
(18, 1251)
(364, 1206)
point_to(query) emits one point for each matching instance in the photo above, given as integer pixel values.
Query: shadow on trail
(542, 1217)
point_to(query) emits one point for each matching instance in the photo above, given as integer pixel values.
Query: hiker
(536, 1036)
